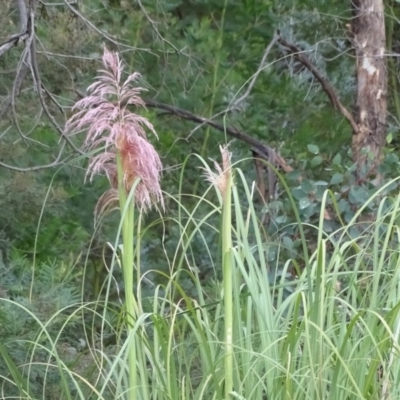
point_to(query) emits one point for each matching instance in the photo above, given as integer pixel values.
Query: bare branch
(22, 64)
(262, 150)
(22, 70)
(28, 59)
(22, 35)
(36, 76)
(23, 15)
(326, 86)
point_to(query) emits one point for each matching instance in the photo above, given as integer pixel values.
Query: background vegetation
(315, 282)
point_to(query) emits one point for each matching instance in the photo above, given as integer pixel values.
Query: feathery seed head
(220, 178)
(110, 124)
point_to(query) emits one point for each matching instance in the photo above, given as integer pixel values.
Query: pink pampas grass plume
(110, 124)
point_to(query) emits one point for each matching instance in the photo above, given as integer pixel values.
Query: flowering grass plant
(117, 137)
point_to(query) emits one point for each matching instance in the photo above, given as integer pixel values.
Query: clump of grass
(331, 332)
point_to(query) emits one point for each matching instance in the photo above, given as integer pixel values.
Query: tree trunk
(368, 27)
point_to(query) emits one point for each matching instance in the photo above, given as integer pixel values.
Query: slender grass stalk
(222, 180)
(128, 223)
(228, 289)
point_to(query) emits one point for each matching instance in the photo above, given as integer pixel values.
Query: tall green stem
(128, 217)
(228, 276)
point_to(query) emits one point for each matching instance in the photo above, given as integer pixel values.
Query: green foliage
(319, 318)
(200, 57)
(332, 330)
(22, 314)
(350, 201)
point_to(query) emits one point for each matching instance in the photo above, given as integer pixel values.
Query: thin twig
(23, 62)
(53, 164)
(104, 35)
(22, 70)
(235, 104)
(257, 73)
(263, 150)
(154, 26)
(37, 79)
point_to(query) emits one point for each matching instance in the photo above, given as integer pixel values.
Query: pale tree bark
(368, 28)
